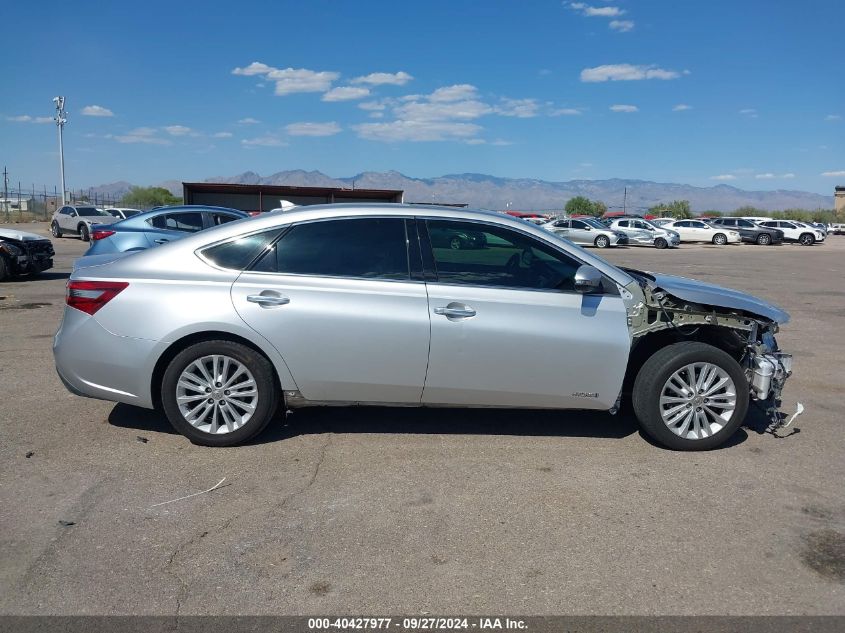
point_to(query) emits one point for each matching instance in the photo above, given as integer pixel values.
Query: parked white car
(121, 213)
(698, 231)
(794, 232)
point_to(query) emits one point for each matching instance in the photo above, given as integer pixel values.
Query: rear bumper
(93, 362)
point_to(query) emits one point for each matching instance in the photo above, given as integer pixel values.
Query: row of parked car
(669, 233)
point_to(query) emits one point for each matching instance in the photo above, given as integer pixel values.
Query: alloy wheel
(216, 394)
(698, 400)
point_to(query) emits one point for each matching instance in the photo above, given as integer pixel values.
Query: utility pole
(625, 202)
(60, 120)
(6, 191)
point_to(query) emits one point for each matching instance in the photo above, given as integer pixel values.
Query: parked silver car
(641, 232)
(353, 304)
(586, 231)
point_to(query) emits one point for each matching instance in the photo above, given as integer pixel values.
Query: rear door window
(363, 248)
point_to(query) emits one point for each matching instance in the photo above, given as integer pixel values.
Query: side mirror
(587, 279)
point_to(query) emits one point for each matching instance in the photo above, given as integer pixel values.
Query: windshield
(594, 223)
(90, 212)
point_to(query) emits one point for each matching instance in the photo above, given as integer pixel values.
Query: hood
(22, 236)
(711, 294)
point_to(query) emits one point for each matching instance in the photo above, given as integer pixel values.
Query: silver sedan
(586, 232)
(355, 304)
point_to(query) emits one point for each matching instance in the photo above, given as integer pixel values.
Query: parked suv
(77, 220)
(641, 232)
(796, 231)
(749, 231)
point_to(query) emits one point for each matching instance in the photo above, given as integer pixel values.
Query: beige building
(839, 199)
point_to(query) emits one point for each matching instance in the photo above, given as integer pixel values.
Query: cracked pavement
(443, 511)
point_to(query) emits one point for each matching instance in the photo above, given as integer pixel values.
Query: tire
(720, 239)
(55, 231)
(661, 243)
(602, 241)
(653, 379)
(455, 244)
(4, 268)
(84, 233)
(264, 401)
(806, 239)
(764, 239)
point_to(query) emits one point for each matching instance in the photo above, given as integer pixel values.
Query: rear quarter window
(239, 253)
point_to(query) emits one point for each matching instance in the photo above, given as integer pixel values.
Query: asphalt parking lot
(402, 511)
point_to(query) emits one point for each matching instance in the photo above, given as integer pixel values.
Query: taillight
(254, 213)
(99, 234)
(90, 296)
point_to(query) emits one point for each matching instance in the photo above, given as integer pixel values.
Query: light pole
(60, 123)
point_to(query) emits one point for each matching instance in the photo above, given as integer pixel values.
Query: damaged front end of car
(669, 308)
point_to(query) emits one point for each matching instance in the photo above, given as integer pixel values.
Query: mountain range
(491, 192)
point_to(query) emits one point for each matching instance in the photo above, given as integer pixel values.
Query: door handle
(161, 240)
(455, 312)
(268, 301)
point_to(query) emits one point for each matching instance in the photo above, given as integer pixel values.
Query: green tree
(579, 205)
(678, 209)
(751, 212)
(149, 197)
(599, 208)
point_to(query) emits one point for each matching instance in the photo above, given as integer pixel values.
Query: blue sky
(748, 93)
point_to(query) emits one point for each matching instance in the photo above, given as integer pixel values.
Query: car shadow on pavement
(51, 276)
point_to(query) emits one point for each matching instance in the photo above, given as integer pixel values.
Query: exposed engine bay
(742, 331)
(24, 253)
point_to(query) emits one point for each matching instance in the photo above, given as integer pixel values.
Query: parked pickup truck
(23, 253)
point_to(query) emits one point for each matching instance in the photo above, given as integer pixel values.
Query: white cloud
(788, 175)
(144, 135)
(25, 118)
(501, 142)
(623, 26)
(476, 141)
(371, 106)
(378, 79)
(178, 130)
(834, 174)
(681, 107)
(749, 112)
(312, 129)
(626, 72)
(263, 141)
(248, 121)
(766, 176)
(346, 93)
(290, 80)
(590, 11)
(222, 135)
(438, 111)
(95, 110)
(565, 112)
(404, 130)
(520, 108)
(624, 108)
(723, 177)
(833, 117)
(457, 92)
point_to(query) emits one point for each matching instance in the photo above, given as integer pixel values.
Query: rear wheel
(690, 396)
(55, 231)
(764, 239)
(661, 243)
(807, 239)
(455, 244)
(84, 233)
(219, 393)
(720, 239)
(602, 241)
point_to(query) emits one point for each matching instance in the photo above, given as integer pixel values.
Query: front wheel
(661, 243)
(690, 396)
(602, 241)
(764, 239)
(720, 239)
(55, 231)
(219, 393)
(455, 244)
(84, 233)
